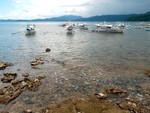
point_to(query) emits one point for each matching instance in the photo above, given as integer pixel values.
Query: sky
(32, 9)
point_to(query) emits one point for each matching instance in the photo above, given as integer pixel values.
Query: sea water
(83, 62)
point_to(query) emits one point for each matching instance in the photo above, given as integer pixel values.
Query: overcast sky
(31, 9)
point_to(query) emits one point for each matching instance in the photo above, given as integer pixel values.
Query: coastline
(69, 94)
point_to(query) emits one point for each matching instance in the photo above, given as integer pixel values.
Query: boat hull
(30, 32)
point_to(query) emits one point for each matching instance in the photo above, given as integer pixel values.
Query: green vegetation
(140, 17)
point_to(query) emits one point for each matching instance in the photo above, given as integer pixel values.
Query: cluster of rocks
(16, 87)
(111, 90)
(125, 104)
(132, 107)
(94, 104)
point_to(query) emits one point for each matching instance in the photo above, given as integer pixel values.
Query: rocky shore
(112, 99)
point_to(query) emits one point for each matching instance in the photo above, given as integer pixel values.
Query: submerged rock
(90, 105)
(8, 77)
(115, 90)
(133, 107)
(25, 74)
(147, 72)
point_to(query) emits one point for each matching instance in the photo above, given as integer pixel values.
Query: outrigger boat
(30, 30)
(107, 28)
(70, 29)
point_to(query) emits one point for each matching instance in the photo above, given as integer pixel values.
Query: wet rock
(47, 49)
(101, 95)
(8, 77)
(133, 107)
(9, 93)
(35, 67)
(62, 63)
(115, 90)
(25, 74)
(3, 65)
(18, 69)
(40, 77)
(37, 62)
(147, 72)
(27, 84)
(27, 111)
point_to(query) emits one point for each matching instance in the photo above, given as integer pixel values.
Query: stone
(3, 65)
(115, 90)
(101, 95)
(47, 49)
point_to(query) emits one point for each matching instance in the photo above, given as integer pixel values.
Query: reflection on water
(83, 62)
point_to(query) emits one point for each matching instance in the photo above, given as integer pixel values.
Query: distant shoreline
(129, 17)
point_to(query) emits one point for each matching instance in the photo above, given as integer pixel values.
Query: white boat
(107, 28)
(147, 27)
(30, 30)
(82, 26)
(70, 29)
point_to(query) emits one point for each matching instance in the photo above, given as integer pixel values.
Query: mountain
(61, 18)
(106, 18)
(148, 12)
(139, 17)
(131, 17)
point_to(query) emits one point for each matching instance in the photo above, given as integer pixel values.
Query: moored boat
(107, 28)
(30, 30)
(70, 29)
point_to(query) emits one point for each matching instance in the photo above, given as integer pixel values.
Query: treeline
(140, 17)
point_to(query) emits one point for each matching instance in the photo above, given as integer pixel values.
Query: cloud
(30, 9)
(102, 7)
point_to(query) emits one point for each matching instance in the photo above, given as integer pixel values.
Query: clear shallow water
(84, 62)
